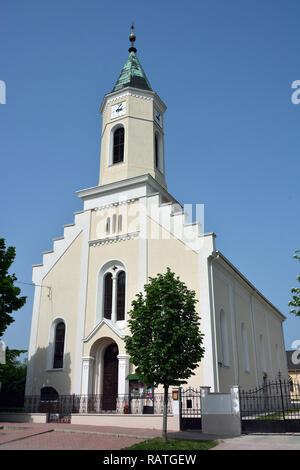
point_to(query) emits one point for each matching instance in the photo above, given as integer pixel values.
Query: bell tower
(132, 141)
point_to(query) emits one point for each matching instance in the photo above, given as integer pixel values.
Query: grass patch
(279, 414)
(172, 444)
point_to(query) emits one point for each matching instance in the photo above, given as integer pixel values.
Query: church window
(111, 292)
(278, 358)
(263, 353)
(108, 225)
(59, 346)
(245, 348)
(156, 151)
(114, 223)
(108, 285)
(118, 145)
(120, 223)
(49, 394)
(121, 296)
(224, 338)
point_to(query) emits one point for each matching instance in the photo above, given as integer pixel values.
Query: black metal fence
(63, 406)
(273, 407)
(190, 409)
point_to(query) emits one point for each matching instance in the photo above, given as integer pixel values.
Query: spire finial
(132, 39)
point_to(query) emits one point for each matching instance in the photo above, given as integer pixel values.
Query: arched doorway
(49, 400)
(110, 378)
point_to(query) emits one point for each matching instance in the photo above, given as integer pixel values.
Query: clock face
(118, 109)
(157, 117)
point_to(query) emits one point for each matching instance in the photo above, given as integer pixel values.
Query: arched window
(245, 348)
(118, 145)
(49, 394)
(263, 353)
(108, 295)
(120, 223)
(156, 151)
(108, 225)
(114, 223)
(224, 339)
(121, 296)
(59, 344)
(278, 357)
(112, 292)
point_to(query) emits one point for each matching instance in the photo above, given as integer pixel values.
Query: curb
(100, 433)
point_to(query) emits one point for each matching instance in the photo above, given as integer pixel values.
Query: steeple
(132, 141)
(132, 73)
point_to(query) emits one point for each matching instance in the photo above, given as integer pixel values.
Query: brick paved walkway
(53, 436)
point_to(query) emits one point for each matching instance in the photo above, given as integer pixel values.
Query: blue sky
(224, 70)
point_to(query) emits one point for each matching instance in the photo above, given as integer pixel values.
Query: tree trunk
(165, 415)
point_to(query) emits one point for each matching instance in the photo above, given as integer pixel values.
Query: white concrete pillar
(123, 371)
(235, 400)
(204, 392)
(87, 375)
(220, 412)
(175, 403)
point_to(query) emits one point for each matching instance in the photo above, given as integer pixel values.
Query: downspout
(210, 259)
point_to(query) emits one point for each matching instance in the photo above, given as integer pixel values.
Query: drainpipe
(210, 259)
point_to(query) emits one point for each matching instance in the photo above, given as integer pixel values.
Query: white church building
(131, 228)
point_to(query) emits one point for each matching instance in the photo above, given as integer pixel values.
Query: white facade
(131, 228)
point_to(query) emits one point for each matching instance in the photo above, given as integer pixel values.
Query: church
(131, 228)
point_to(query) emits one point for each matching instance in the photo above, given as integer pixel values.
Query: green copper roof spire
(132, 73)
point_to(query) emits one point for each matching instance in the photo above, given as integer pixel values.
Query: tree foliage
(9, 293)
(165, 343)
(13, 373)
(295, 303)
(13, 381)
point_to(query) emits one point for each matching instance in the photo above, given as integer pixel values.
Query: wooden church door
(110, 378)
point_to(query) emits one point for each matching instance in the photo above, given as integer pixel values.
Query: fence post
(282, 401)
(180, 408)
(221, 412)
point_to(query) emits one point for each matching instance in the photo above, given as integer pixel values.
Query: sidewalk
(261, 442)
(58, 436)
(51, 436)
(290, 441)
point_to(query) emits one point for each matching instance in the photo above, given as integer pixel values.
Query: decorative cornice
(114, 204)
(117, 238)
(122, 185)
(127, 92)
(135, 92)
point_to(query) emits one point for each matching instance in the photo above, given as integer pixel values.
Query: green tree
(165, 343)
(12, 379)
(9, 300)
(295, 303)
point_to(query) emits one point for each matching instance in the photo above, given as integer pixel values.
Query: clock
(118, 109)
(157, 117)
